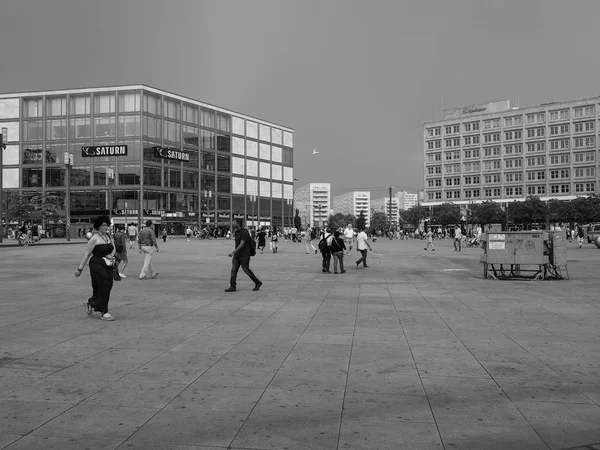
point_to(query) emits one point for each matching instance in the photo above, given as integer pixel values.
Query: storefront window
(152, 176)
(55, 176)
(223, 143)
(129, 174)
(223, 163)
(172, 178)
(129, 126)
(80, 128)
(223, 184)
(208, 161)
(80, 176)
(190, 179)
(56, 129)
(104, 127)
(207, 183)
(32, 177)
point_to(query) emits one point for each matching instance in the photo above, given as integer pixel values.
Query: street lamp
(252, 200)
(68, 161)
(110, 175)
(3, 137)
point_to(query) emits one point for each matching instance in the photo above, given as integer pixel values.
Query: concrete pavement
(418, 351)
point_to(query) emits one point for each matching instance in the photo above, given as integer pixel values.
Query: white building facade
(313, 202)
(353, 203)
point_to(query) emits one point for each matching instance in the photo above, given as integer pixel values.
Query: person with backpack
(245, 247)
(324, 247)
(120, 250)
(309, 236)
(337, 251)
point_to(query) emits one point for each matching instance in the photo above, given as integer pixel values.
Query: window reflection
(190, 135)
(33, 154)
(55, 176)
(152, 176)
(223, 122)
(129, 126)
(56, 106)
(223, 184)
(81, 176)
(171, 109)
(33, 130)
(32, 177)
(152, 104)
(79, 105)
(104, 127)
(224, 143)
(223, 163)
(80, 128)
(190, 113)
(33, 107)
(190, 179)
(207, 139)
(104, 103)
(129, 174)
(56, 129)
(149, 152)
(152, 127)
(129, 101)
(208, 118)
(208, 161)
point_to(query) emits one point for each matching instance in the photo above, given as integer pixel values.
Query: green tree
(361, 221)
(528, 212)
(379, 221)
(340, 220)
(486, 213)
(46, 208)
(446, 214)
(298, 220)
(559, 210)
(414, 215)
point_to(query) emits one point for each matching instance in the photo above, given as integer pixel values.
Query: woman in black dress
(100, 251)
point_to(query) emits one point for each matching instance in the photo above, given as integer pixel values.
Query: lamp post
(110, 175)
(68, 161)
(252, 200)
(3, 137)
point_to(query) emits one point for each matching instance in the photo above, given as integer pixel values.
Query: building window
(129, 102)
(56, 106)
(56, 129)
(79, 105)
(104, 127)
(128, 125)
(33, 107)
(172, 109)
(104, 103)
(152, 104)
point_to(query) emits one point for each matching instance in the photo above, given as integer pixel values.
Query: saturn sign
(169, 153)
(104, 150)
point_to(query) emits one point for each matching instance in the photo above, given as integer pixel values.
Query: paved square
(418, 351)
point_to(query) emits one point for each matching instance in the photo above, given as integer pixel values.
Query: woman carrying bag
(337, 250)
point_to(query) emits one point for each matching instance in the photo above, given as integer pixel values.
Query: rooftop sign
(481, 108)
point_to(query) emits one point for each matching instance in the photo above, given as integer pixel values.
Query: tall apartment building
(353, 203)
(383, 205)
(140, 153)
(406, 200)
(497, 152)
(313, 202)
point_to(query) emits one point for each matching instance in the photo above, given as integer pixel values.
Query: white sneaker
(107, 316)
(122, 275)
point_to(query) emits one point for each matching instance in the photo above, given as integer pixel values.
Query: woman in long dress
(100, 251)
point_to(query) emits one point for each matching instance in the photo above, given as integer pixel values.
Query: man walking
(457, 239)
(430, 240)
(349, 238)
(310, 234)
(132, 231)
(146, 242)
(241, 257)
(361, 245)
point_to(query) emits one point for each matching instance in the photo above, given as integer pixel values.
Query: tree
(528, 212)
(414, 215)
(340, 220)
(46, 208)
(558, 210)
(298, 220)
(486, 213)
(361, 221)
(446, 214)
(379, 221)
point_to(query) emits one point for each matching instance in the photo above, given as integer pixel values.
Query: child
(274, 241)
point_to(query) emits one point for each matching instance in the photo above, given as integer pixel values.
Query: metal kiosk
(535, 255)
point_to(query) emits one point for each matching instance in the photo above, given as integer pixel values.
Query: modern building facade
(497, 152)
(142, 153)
(313, 202)
(406, 200)
(353, 203)
(382, 204)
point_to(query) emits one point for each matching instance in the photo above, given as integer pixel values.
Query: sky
(355, 79)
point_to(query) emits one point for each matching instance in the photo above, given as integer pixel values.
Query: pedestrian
(261, 235)
(309, 236)
(241, 257)
(100, 252)
(457, 239)
(274, 240)
(294, 234)
(362, 244)
(348, 238)
(337, 251)
(132, 231)
(580, 235)
(324, 244)
(164, 234)
(429, 237)
(120, 250)
(188, 233)
(146, 242)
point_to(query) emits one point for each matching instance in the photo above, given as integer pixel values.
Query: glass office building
(141, 153)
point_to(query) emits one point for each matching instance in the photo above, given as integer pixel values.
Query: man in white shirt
(361, 245)
(457, 239)
(349, 237)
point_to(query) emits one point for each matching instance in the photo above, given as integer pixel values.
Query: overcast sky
(356, 79)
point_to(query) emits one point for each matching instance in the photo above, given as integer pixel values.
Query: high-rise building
(383, 205)
(406, 200)
(497, 152)
(313, 202)
(142, 153)
(353, 203)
